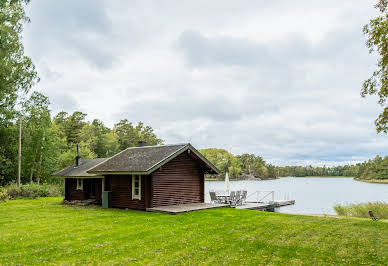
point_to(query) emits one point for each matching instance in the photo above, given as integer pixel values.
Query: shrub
(3, 194)
(13, 191)
(379, 209)
(33, 191)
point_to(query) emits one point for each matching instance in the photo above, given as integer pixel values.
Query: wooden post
(19, 152)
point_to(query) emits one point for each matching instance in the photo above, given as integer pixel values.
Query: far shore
(380, 181)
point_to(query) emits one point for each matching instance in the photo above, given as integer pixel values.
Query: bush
(3, 194)
(33, 191)
(13, 191)
(379, 209)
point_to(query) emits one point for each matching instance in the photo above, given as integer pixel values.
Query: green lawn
(45, 232)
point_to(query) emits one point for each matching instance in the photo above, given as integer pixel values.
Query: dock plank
(263, 206)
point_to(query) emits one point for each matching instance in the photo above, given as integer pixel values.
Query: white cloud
(280, 80)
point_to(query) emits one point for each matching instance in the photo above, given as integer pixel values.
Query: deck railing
(261, 195)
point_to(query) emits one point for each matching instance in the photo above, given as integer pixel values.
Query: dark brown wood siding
(121, 189)
(71, 192)
(179, 181)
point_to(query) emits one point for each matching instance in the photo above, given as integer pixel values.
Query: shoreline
(336, 216)
(375, 181)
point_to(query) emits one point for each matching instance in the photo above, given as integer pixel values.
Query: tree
(129, 136)
(17, 72)
(377, 33)
(71, 125)
(224, 161)
(37, 122)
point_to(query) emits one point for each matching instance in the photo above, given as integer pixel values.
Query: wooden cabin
(140, 177)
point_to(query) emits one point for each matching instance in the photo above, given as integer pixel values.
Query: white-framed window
(80, 184)
(136, 187)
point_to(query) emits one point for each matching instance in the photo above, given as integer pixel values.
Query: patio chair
(238, 197)
(371, 215)
(213, 197)
(244, 196)
(232, 198)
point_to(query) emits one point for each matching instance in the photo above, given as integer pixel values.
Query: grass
(46, 232)
(380, 209)
(380, 181)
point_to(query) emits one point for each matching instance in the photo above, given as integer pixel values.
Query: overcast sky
(280, 79)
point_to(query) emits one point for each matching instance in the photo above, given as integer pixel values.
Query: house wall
(179, 181)
(121, 189)
(71, 192)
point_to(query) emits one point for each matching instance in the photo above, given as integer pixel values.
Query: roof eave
(78, 176)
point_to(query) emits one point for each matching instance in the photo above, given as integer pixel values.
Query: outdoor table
(223, 197)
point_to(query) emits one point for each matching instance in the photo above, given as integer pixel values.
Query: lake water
(312, 195)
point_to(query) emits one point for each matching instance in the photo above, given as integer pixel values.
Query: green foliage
(17, 76)
(44, 231)
(17, 72)
(239, 167)
(253, 165)
(379, 209)
(129, 136)
(376, 168)
(3, 194)
(68, 157)
(33, 191)
(224, 161)
(377, 33)
(71, 125)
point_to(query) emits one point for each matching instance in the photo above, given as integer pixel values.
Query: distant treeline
(376, 168)
(248, 166)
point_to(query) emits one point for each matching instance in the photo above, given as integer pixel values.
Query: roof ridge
(155, 146)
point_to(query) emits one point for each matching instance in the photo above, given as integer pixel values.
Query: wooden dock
(265, 206)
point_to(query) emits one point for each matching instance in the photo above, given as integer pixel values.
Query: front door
(92, 189)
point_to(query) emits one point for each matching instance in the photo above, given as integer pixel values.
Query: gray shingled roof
(132, 160)
(138, 159)
(80, 170)
(146, 159)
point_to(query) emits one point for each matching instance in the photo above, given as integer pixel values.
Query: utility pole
(20, 151)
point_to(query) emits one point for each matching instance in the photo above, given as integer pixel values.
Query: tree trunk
(32, 173)
(19, 153)
(39, 167)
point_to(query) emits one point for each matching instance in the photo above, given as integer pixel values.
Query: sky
(279, 79)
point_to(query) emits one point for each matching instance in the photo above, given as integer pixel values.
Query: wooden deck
(181, 208)
(265, 206)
